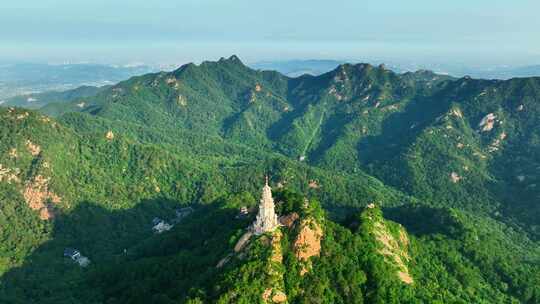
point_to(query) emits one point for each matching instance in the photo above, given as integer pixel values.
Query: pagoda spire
(266, 218)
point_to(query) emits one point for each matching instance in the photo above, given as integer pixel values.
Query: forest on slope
(453, 161)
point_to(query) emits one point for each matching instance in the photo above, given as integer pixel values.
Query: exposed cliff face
(9, 175)
(242, 242)
(289, 219)
(308, 243)
(27, 170)
(33, 148)
(391, 241)
(38, 197)
(274, 296)
(394, 249)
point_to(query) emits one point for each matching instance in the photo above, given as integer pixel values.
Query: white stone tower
(267, 219)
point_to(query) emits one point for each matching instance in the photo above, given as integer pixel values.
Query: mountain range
(412, 187)
(295, 68)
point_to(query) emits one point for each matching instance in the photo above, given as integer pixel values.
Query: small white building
(160, 226)
(76, 256)
(243, 213)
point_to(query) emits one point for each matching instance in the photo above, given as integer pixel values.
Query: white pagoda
(267, 219)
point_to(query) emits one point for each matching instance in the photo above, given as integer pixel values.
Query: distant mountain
(27, 78)
(295, 68)
(407, 188)
(38, 100)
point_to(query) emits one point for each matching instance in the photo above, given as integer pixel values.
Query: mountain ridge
(422, 186)
(346, 119)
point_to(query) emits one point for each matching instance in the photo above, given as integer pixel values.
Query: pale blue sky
(122, 31)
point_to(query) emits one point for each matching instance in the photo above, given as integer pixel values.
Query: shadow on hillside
(418, 220)
(423, 220)
(400, 129)
(106, 238)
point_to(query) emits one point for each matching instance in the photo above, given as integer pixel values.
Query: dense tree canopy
(451, 166)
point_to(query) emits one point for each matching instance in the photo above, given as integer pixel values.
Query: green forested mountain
(447, 168)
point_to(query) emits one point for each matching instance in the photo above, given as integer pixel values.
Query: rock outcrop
(289, 219)
(109, 136)
(391, 241)
(9, 175)
(455, 178)
(308, 243)
(181, 100)
(33, 149)
(39, 197)
(487, 123)
(395, 250)
(242, 242)
(274, 296)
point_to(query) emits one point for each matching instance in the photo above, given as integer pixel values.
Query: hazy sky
(122, 31)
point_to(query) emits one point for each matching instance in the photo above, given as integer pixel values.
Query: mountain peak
(360, 70)
(232, 59)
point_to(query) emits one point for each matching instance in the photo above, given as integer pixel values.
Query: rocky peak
(233, 59)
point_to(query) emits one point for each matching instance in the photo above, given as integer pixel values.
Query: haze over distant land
(481, 33)
(28, 78)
